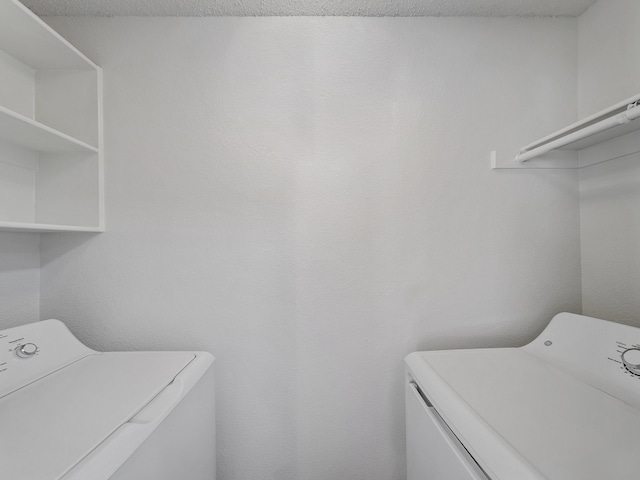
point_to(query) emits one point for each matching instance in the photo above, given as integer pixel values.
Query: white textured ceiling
(488, 8)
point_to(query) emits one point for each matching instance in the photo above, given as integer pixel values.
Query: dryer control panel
(603, 354)
(29, 352)
(630, 358)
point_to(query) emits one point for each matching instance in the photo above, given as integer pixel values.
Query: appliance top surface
(59, 399)
(62, 417)
(562, 407)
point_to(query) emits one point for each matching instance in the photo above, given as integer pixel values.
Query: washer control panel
(13, 348)
(27, 350)
(32, 351)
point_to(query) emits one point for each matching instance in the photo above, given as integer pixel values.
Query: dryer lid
(48, 426)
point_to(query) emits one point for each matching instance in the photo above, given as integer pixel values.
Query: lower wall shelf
(28, 133)
(41, 227)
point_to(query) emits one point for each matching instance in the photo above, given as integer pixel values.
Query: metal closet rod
(531, 151)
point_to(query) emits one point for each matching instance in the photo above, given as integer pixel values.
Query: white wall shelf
(28, 133)
(51, 163)
(609, 134)
(42, 227)
(32, 42)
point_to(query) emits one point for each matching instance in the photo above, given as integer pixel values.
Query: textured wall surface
(19, 278)
(609, 46)
(610, 192)
(311, 200)
(404, 8)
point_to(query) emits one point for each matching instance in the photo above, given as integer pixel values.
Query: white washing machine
(564, 407)
(70, 413)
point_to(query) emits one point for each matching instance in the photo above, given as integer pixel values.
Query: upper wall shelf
(32, 42)
(51, 157)
(583, 143)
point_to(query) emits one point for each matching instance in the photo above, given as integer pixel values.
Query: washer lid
(47, 427)
(523, 418)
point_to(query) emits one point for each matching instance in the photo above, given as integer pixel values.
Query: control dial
(29, 350)
(631, 360)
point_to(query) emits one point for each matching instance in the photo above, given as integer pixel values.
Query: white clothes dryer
(564, 407)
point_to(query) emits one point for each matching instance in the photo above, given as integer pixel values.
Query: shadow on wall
(615, 182)
(51, 251)
(19, 278)
(19, 252)
(610, 232)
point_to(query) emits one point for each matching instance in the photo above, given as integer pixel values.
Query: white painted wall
(19, 279)
(609, 36)
(310, 199)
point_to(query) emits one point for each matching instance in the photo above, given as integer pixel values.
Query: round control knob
(27, 350)
(631, 360)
